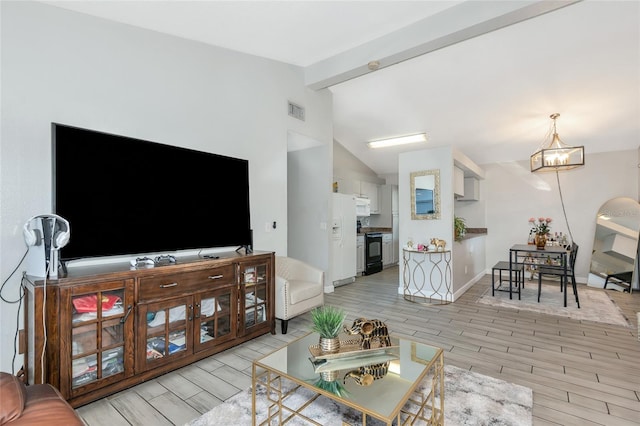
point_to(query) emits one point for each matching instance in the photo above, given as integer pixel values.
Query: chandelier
(557, 155)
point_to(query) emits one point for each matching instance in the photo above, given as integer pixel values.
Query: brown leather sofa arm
(33, 405)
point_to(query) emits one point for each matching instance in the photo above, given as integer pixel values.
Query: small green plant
(460, 227)
(327, 321)
(335, 387)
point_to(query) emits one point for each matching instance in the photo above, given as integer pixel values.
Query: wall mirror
(615, 245)
(425, 194)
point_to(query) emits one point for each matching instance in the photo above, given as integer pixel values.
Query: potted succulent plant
(330, 382)
(328, 321)
(460, 227)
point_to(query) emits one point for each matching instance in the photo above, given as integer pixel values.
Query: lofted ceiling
(482, 76)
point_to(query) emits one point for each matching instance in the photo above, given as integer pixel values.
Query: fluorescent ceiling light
(402, 140)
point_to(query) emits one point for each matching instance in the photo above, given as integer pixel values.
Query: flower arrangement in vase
(540, 229)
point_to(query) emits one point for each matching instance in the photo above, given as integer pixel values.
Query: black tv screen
(125, 196)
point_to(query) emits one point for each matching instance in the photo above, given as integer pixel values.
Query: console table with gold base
(427, 276)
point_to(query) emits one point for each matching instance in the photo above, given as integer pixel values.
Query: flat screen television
(126, 196)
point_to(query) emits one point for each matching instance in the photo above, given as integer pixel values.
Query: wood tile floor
(580, 373)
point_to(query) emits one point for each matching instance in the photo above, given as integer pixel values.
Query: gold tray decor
(348, 348)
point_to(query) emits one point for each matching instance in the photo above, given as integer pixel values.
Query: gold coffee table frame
(385, 399)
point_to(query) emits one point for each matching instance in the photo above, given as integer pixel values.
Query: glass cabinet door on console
(165, 331)
(253, 299)
(215, 317)
(101, 329)
(101, 343)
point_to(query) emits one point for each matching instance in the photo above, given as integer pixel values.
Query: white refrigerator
(343, 239)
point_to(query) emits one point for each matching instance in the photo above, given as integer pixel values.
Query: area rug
(595, 305)
(470, 399)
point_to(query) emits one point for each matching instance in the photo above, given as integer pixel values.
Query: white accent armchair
(299, 288)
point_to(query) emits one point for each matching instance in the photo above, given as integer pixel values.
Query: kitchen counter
(364, 230)
(474, 232)
(471, 232)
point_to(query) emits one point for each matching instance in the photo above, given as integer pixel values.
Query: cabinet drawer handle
(215, 277)
(168, 285)
(124, 319)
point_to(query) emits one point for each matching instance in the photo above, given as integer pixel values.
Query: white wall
(347, 168)
(473, 212)
(513, 194)
(346, 162)
(469, 257)
(421, 231)
(310, 177)
(66, 67)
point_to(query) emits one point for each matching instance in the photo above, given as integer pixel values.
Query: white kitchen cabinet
(386, 206)
(360, 188)
(359, 254)
(387, 250)
(371, 191)
(394, 200)
(356, 187)
(471, 189)
(458, 182)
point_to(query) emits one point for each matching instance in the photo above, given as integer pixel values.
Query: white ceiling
(490, 95)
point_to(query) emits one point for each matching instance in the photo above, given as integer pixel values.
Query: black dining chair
(622, 279)
(559, 272)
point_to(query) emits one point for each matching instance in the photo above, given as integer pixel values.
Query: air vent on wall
(296, 111)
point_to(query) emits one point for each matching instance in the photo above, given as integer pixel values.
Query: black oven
(373, 252)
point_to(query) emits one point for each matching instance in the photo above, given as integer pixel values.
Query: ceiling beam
(458, 23)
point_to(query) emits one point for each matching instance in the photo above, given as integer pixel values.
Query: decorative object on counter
(530, 266)
(328, 321)
(368, 331)
(532, 238)
(440, 244)
(541, 226)
(410, 243)
(540, 229)
(541, 241)
(460, 227)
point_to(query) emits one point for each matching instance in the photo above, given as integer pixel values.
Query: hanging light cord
(563, 209)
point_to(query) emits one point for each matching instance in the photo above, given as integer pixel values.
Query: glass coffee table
(401, 383)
